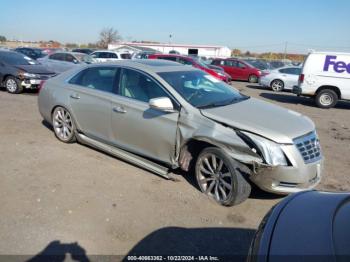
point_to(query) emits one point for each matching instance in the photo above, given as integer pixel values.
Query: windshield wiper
(223, 103)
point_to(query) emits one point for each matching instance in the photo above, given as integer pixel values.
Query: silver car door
(90, 99)
(135, 126)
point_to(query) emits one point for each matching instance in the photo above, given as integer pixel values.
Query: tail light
(41, 85)
(264, 73)
(301, 78)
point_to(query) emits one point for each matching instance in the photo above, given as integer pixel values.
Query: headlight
(28, 75)
(271, 151)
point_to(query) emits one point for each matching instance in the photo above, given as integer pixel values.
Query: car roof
(150, 65)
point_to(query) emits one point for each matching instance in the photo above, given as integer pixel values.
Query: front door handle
(119, 109)
(75, 96)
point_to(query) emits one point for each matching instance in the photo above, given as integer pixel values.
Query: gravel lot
(51, 191)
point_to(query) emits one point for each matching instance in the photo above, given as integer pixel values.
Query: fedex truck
(326, 77)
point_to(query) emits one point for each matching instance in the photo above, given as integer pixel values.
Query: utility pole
(285, 50)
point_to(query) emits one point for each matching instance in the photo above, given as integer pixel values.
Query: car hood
(270, 121)
(34, 69)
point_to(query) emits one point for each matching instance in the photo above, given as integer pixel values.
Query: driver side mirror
(163, 104)
(75, 61)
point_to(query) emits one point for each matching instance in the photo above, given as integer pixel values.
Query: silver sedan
(281, 79)
(161, 115)
(62, 61)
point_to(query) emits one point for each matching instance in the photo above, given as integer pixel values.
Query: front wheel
(219, 176)
(63, 125)
(326, 98)
(13, 85)
(253, 79)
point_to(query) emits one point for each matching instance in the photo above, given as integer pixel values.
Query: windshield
(202, 90)
(13, 58)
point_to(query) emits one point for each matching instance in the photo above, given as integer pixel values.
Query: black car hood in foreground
(34, 69)
(265, 119)
(309, 226)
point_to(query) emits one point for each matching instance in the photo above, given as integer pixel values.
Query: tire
(253, 79)
(326, 98)
(63, 125)
(277, 85)
(221, 178)
(13, 85)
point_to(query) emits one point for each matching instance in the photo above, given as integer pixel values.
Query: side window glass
(284, 71)
(69, 58)
(99, 78)
(113, 55)
(56, 56)
(229, 63)
(138, 86)
(241, 65)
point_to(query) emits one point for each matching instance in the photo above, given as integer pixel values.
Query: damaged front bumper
(30, 83)
(296, 177)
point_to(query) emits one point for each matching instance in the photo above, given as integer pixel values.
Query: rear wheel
(13, 85)
(220, 177)
(253, 79)
(326, 98)
(63, 125)
(277, 85)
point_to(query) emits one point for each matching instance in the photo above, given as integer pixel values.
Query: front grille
(309, 147)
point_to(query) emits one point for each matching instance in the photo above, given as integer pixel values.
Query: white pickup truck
(326, 77)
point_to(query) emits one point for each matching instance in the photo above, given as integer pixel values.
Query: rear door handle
(75, 96)
(119, 109)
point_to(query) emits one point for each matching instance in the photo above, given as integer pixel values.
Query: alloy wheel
(63, 124)
(214, 177)
(277, 85)
(11, 85)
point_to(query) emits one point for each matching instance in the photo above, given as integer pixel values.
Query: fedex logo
(339, 67)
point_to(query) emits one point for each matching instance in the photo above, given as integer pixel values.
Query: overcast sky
(253, 25)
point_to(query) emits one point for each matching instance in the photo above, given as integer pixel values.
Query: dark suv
(18, 72)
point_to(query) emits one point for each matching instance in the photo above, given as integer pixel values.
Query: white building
(200, 50)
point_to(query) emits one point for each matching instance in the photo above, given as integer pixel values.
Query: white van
(326, 77)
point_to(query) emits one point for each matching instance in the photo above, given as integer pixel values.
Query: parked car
(281, 79)
(109, 56)
(161, 115)
(33, 53)
(63, 61)
(238, 69)
(308, 226)
(87, 51)
(325, 76)
(190, 61)
(19, 72)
